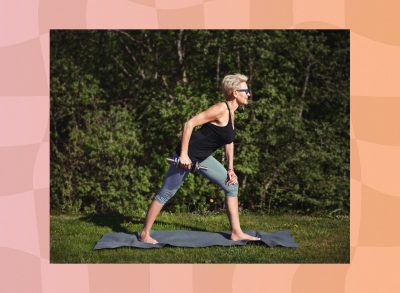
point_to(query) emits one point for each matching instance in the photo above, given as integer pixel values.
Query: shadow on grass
(112, 221)
(115, 223)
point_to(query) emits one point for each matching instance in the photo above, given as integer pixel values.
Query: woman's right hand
(185, 162)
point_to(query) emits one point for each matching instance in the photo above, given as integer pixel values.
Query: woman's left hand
(231, 178)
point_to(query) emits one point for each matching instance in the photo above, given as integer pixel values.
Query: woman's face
(242, 94)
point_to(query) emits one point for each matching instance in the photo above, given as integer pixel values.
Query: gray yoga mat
(193, 239)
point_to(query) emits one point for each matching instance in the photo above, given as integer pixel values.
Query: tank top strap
(228, 110)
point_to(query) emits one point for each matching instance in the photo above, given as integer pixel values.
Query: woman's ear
(234, 93)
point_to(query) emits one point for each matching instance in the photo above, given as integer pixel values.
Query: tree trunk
(181, 55)
(305, 85)
(238, 59)
(218, 64)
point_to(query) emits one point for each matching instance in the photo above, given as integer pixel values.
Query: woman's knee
(232, 190)
(164, 196)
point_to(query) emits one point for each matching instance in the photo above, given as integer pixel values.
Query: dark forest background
(119, 100)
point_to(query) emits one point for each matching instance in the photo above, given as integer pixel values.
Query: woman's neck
(233, 105)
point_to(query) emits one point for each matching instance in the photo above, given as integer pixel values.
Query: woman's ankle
(144, 232)
(237, 231)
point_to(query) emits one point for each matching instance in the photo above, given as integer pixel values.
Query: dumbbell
(195, 167)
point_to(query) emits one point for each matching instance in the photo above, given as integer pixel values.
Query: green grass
(321, 239)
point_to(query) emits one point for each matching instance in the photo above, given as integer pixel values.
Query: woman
(218, 130)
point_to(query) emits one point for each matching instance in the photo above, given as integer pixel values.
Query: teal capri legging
(216, 173)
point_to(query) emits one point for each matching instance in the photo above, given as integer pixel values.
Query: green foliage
(119, 100)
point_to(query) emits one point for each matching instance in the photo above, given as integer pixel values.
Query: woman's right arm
(209, 115)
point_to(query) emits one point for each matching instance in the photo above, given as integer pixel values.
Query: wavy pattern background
(24, 145)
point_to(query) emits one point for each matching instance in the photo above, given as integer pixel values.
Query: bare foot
(146, 238)
(243, 236)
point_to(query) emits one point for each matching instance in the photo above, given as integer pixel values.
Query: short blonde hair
(232, 82)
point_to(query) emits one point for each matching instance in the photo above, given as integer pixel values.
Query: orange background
(24, 145)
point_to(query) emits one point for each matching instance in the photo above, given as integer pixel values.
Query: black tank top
(207, 139)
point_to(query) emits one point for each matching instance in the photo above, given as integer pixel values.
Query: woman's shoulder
(220, 106)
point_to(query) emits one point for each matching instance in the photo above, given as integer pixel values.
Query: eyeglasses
(247, 91)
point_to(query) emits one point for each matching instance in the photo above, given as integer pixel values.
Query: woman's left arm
(231, 176)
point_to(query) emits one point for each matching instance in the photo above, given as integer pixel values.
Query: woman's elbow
(188, 124)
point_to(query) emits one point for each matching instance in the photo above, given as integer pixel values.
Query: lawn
(321, 239)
